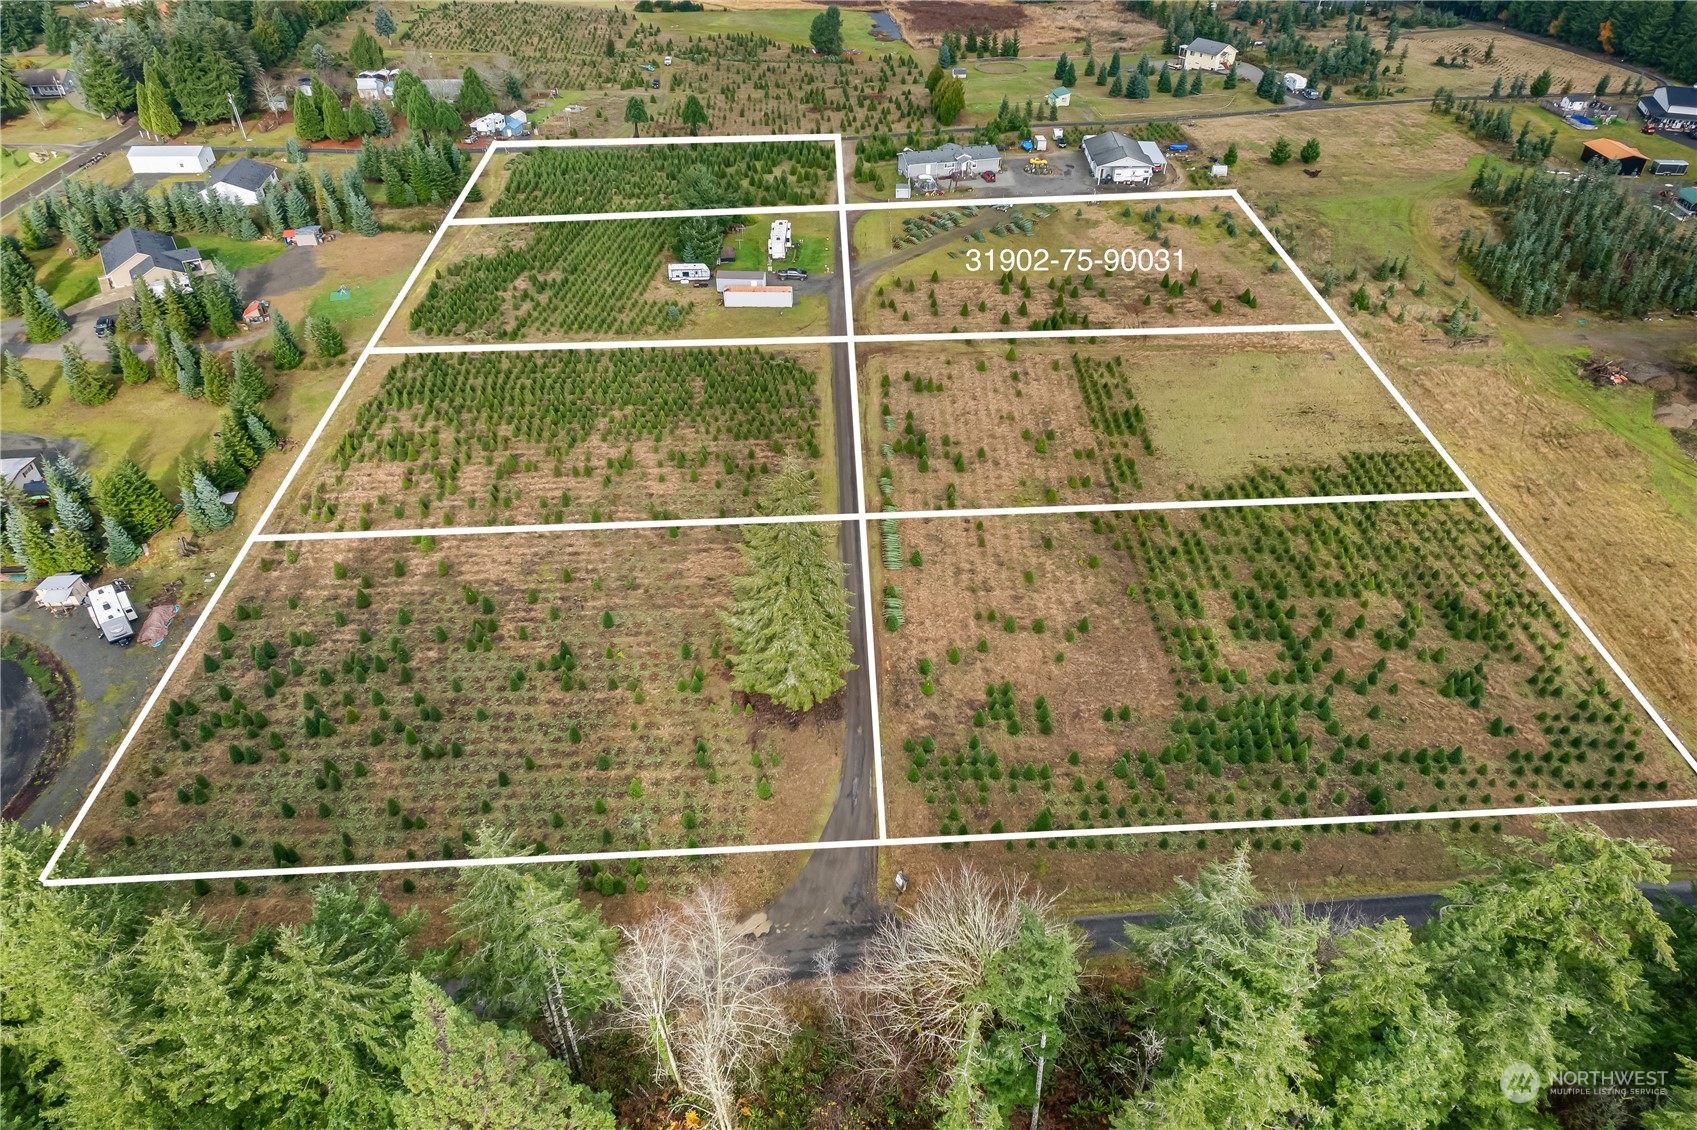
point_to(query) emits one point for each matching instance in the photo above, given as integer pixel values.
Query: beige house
(1208, 55)
(136, 255)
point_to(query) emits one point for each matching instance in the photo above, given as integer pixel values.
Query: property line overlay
(861, 517)
(884, 842)
(1490, 511)
(869, 515)
(868, 605)
(265, 517)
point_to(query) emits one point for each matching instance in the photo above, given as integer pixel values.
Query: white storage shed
(781, 297)
(724, 280)
(169, 160)
(61, 592)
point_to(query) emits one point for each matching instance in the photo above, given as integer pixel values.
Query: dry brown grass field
(1126, 419)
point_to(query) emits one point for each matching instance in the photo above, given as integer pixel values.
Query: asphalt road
(1106, 932)
(834, 899)
(80, 156)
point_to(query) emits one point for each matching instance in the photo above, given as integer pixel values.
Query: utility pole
(235, 115)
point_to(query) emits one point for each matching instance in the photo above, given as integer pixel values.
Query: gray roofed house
(153, 258)
(46, 82)
(1673, 109)
(242, 180)
(1115, 158)
(948, 160)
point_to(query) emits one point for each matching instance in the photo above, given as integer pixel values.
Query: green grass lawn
(57, 123)
(17, 170)
(357, 315)
(811, 234)
(234, 253)
(68, 280)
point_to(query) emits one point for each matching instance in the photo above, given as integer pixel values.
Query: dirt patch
(456, 712)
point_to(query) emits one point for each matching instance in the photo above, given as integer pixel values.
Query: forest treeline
(124, 1006)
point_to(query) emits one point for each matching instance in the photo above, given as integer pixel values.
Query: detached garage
(1631, 161)
(169, 160)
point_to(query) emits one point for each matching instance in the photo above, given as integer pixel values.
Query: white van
(695, 274)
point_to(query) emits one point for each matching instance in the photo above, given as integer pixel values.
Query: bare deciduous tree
(707, 1000)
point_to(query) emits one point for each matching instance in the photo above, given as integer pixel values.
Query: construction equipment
(1038, 166)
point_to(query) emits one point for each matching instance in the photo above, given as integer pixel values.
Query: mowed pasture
(987, 424)
(514, 438)
(1126, 670)
(376, 700)
(976, 268)
(570, 180)
(590, 280)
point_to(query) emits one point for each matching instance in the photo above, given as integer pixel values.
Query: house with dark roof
(47, 82)
(950, 160)
(1207, 55)
(1670, 109)
(242, 180)
(153, 259)
(1629, 161)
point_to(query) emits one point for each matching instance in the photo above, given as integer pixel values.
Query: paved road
(80, 156)
(1106, 932)
(833, 900)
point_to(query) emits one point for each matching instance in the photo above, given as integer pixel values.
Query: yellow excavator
(1038, 165)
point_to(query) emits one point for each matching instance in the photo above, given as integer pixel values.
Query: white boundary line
(1490, 512)
(869, 599)
(555, 346)
(884, 842)
(872, 515)
(936, 203)
(258, 527)
(648, 214)
(864, 518)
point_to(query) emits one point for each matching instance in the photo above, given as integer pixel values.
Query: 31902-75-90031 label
(1036, 259)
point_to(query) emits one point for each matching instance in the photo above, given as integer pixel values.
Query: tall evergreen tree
(309, 124)
(153, 106)
(135, 500)
(214, 378)
(383, 22)
(789, 621)
(365, 53)
(120, 550)
(326, 340)
(460, 1072)
(200, 500)
(40, 558)
(475, 98)
(42, 320)
(330, 112)
(86, 386)
(250, 384)
(105, 88)
(285, 350)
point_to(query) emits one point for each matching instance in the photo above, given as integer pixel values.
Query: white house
(780, 297)
(42, 83)
(778, 243)
(1115, 158)
(949, 160)
(1207, 55)
(242, 180)
(169, 160)
(1058, 97)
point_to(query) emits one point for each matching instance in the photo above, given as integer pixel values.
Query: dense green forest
(125, 1006)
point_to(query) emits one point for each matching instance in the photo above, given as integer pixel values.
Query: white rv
(110, 608)
(696, 274)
